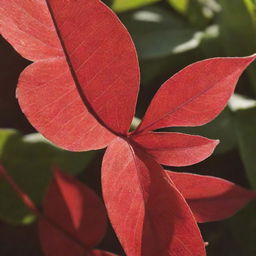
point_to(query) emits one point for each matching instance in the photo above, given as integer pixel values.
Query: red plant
(74, 219)
(81, 92)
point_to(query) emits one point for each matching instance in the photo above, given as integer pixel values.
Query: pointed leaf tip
(176, 149)
(78, 214)
(207, 195)
(208, 85)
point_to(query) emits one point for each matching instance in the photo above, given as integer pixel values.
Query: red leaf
(195, 95)
(176, 149)
(85, 68)
(76, 219)
(23, 196)
(148, 214)
(210, 198)
(100, 253)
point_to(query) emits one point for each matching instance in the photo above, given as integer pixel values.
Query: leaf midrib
(73, 73)
(147, 127)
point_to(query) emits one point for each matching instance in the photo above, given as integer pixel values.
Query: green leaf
(243, 228)
(210, 46)
(158, 33)
(238, 31)
(245, 121)
(156, 71)
(236, 25)
(198, 12)
(251, 6)
(125, 5)
(5, 134)
(29, 159)
(181, 6)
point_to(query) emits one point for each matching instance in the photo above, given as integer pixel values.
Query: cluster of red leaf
(80, 93)
(74, 219)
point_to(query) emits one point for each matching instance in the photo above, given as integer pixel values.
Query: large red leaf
(85, 68)
(56, 109)
(211, 198)
(176, 149)
(148, 214)
(75, 218)
(195, 95)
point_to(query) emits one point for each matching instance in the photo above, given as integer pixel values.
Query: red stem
(24, 197)
(29, 203)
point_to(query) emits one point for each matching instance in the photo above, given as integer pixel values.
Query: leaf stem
(30, 204)
(24, 197)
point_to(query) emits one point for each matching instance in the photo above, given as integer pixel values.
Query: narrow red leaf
(176, 149)
(23, 196)
(76, 219)
(85, 68)
(148, 214)
(211, 198)
(195, 95)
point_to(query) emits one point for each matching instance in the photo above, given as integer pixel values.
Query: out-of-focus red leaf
(99, 253)
(195, 95)
(148, 214)
(84, 82)
(23, 196)
(211, 198)
(76, 219)
(176, 149)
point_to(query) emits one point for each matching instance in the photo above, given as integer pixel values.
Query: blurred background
(169, 35)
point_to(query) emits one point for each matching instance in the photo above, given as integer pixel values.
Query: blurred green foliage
(29, 160)
(121, 5)
(246, 134)
(157, 34)
(169, 35)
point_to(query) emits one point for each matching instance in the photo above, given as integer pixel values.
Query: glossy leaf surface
(208, 85)
(92, 61)
(211, 198)
(148, 214)
(158, 33)
(176, 149)
(78, 217)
